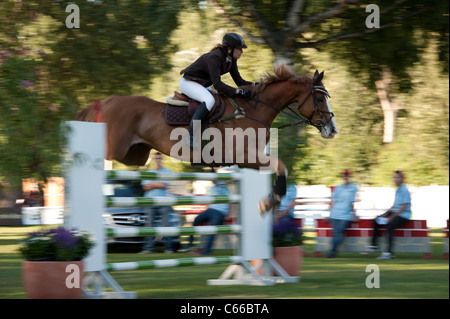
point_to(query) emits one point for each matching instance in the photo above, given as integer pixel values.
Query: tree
(48, 70)
(30, 143)
(383, 52)
(421, 147)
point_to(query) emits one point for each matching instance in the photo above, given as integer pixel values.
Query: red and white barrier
(445, 250)
(410, 238)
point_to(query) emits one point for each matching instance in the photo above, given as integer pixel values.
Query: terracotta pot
(49, 279)
(289, 258)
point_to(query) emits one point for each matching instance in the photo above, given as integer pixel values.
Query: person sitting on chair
(214, 215)
(398, 215)
(207, 70)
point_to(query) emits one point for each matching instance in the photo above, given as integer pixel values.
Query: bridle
(320, 123)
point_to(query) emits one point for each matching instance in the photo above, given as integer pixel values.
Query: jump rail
(126, 231)
(170, 201)
(181, 262)
(172, 176)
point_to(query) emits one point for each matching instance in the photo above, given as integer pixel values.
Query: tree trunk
(8, 197)
(390, 117)
(286, 57)
(389, 106)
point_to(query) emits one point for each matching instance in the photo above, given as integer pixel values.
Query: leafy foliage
(31, 116)
(56, 244)
(48, 72)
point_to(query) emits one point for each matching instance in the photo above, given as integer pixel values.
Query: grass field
(407, 276)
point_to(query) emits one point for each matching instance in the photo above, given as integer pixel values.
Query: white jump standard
(85, 204)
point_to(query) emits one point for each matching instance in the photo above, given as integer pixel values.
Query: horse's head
(316, 108)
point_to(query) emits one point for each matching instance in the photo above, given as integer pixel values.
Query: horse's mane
(281, 73)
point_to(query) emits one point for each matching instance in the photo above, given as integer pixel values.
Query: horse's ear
(318, 77)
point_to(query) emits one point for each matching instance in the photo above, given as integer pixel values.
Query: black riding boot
(199, 114)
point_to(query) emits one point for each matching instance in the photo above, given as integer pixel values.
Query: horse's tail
(92, 113)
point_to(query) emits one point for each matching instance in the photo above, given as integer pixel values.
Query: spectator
(157, 215)
(342, 211)
(286, 208)
(214, 215)
(395, 217)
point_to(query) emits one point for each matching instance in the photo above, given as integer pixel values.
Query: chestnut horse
(136, 124)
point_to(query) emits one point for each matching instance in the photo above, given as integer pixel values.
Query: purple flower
(58, 244)
(285, 226)
(64, 237)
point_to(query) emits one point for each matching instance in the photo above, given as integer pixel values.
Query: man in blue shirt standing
(395, 217)
(341, 210)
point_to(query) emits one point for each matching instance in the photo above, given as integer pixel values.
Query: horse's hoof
(262, 207)
(268, 203)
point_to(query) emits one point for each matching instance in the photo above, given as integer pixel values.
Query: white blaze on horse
(137, 124)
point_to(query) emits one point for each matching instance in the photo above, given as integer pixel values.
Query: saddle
(180, 108)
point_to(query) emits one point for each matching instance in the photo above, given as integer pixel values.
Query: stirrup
(268, 203)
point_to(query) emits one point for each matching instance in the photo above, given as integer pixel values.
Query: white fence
(47, 215)
(427, 202)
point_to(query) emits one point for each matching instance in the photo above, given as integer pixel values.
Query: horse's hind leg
(278, 190)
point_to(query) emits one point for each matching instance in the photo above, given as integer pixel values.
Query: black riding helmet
(234, 40)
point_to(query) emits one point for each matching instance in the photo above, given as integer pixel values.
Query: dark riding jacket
(208, 68)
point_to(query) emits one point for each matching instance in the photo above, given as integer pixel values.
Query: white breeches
(197, 92)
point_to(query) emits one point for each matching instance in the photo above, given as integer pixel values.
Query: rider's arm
(214, 64)
(234, 72)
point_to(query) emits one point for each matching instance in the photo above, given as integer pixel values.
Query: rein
(241, 113)
(300, 119)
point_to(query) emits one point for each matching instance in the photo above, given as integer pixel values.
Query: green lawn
(407, 276)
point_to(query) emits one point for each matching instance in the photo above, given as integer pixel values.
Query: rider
(207, 69)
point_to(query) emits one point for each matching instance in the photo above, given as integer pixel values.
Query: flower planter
(289, 258)
(49, 279)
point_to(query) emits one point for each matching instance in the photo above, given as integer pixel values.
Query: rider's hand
(244, 93)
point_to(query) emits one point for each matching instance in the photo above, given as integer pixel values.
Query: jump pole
(85, 203)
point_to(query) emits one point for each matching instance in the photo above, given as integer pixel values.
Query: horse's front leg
(279, 188)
